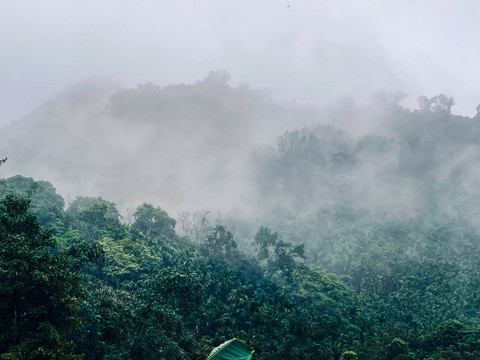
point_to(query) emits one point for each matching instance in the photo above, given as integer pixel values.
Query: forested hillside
(95, 286)
(184, 146)
(282, 225)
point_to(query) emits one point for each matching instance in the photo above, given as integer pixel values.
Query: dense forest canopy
(191, 214)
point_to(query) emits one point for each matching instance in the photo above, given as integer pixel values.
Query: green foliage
(220, 244)
(265, 240)
(92, 209)
(125, 259)
(398, 350)
(141, 323)
(279, 257)
(451, 339)
(375, 247)
(45, 203)
(153, 221)
(40, 288)
(95, 218)
(349, 355)
(152, 295)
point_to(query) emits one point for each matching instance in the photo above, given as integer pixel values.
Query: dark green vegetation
(107, 290)
(354, 247)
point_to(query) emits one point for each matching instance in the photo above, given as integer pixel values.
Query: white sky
(311, 51)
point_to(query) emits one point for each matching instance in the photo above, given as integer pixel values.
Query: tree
(297, 146)
(40, 288)
(444, 103)
(436, 103)
(140, 324)
(220, 243)
(194, 224)
(349, 355)
(93, 209)
(153, 221)
(398, 350)
(95, 217)
(45, 203)
(265, 240)
(279, 255)
(217, 78)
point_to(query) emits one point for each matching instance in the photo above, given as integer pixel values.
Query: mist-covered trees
(139, 138)
(147, 293)
(194, 224)
(359, 246)
(278, 256)
(436, 103)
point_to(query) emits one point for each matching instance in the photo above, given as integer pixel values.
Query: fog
(302, 51)
(300, 175)
(182, 146)
(232, 148)
(242, 107)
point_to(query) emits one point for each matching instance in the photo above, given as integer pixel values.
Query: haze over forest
(209, 145)
(300, 175)
(302, 51)
(293, 65)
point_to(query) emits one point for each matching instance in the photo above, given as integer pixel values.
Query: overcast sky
(302, 50)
